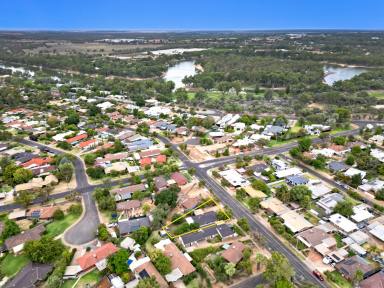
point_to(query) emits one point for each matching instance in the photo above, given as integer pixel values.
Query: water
(176, 51)
(178, 72)
(337, 73)
(18, 69)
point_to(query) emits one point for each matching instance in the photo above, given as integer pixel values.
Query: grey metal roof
(131, 225)
(205, 219)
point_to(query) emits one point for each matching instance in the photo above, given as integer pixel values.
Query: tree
(141, 235)
(254, 204)
(350, 160)
(359, 275)
(344, 208)
(117, 263)
(268, 95)
(168, 196)
(243, 223)
(102, 232)
(379, 194)
(356, 180)
(95, 172)
(300, 194)
(10, 229)
(148, 283)
(305, 144)
(283, 193)
(65, 171)
(25, 198)
(162, 263)
(90, 158)
(230, 269)
(22, 175)
(58, 215)
(45, 250)
(72, 117)
(278, 268)
(52, 121)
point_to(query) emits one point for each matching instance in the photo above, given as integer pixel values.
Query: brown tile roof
(376, 280)
(45, 212)
(234, 253)
(179, 178)
(128, 205)
(129, 189)
(191, 203)
(178, 259)
(31, 234)
(150, 153)
(349, 266)
(152, 272)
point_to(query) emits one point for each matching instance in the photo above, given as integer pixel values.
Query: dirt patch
(197, 155)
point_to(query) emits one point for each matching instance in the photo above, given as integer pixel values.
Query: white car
(327, 260)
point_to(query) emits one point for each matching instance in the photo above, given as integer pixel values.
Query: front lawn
(337, 279)
(57, 227)
(90, 278)
(11, 264)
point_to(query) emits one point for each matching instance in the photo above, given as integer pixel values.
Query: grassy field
(57, 227)
(377, 94)
(13, 264)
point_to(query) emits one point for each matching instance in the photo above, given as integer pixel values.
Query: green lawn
(90, 278)
(57, 227)
(337, 280)
(13, 264)
(68, 283)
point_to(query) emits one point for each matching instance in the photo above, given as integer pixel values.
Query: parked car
(318, 275)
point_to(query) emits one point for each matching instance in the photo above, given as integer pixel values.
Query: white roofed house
(377, 139)
(234, 178)
(344, 224)
(374, 185)
(295, 222)
(105, 105)
(353, 171)
(328, 202)
(361, 213)
(378, 154)
(239, 127)
(288, 172)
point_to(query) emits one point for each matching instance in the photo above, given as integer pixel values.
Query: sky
(191, 14)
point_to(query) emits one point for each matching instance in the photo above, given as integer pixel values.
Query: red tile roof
(179, 178)
(37, 162)
(90, 259)
(145, 162)
(87, 143)
(161, 159)
(77, 138)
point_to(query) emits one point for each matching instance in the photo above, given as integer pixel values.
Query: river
(338, 73)
(178, 72)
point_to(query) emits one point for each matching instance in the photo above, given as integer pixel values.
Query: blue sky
(191, 14)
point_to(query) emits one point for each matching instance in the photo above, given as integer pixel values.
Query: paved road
(239, 211)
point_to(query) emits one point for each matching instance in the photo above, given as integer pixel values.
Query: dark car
(318, 275)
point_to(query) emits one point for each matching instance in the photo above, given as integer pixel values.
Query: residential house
(234, 253)
(274, 206)
(180, 262)
(97, 257)
(295, 180)
(131, 208)
(179, 178)
(117, 167)
(193, 238)
(43, 213)
(349, 266)
(203, 219)
(16, 243)
(127, 226)
(318, 188)
(31, 276)
(143, 268)
(328, 202)
(234, 178)
(76, 139)
(337, 166)
(344, 224)
(319, 239)
(295, 222)
(353, 171)
(160, 183)
(375, 280)
(280, 174)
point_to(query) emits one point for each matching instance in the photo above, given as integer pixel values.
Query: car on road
(318, 275)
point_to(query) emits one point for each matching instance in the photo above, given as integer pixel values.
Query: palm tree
(230, 269)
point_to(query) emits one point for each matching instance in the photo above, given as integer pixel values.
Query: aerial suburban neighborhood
(191, 159)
